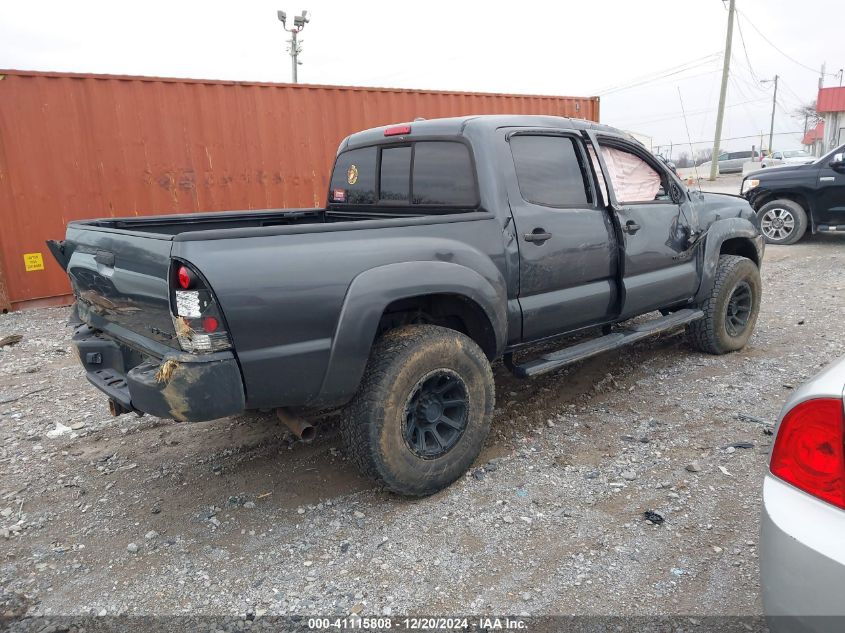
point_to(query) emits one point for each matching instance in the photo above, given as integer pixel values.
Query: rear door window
(443, 175)
(549, 171)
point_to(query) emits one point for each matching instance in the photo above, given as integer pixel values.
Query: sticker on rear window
(352, 175)
(339, 195)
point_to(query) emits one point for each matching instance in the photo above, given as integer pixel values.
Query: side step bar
(615, 340)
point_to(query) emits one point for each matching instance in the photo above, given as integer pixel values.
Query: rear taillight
(186, 278)
(197, 319)
(809, 451)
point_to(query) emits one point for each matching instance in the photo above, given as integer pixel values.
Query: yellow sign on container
(33, 261)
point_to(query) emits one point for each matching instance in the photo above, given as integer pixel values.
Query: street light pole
(299, 22)
(294, 53)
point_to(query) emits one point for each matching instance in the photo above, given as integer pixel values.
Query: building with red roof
(831, 106)
(814, 139)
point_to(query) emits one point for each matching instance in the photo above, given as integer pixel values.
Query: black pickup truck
(445, 245)
(791, 199)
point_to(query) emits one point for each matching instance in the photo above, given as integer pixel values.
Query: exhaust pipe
(303, 430)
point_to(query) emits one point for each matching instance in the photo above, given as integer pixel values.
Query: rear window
(395, 180)
(443, 175)
(549, 171)
(424, 174)
(354, 177)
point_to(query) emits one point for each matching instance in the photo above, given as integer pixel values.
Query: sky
(644, 58)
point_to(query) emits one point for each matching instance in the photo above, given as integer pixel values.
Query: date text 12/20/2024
(418, 624)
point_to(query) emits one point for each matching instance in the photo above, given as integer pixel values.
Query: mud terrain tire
(423, 409)
(730, 312)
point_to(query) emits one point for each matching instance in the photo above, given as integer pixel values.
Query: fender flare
(373, 290)
(717, 233)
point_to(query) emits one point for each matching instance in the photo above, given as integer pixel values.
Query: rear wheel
(423, 410)
(730, 312)
(782, 221)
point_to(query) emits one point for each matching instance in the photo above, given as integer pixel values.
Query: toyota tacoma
(444, 245)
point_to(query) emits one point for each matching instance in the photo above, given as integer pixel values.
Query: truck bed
(172, 225)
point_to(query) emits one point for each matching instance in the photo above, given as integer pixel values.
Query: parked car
(445, 244)
(788, 157)
(730, 162)
(791, 199)
(802, 549)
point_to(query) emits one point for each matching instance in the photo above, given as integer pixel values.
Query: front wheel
(782, 222)
(730, 312)
(423, 409)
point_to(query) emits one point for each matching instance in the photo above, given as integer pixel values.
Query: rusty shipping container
(76, 146)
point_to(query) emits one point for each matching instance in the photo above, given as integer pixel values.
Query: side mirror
(838, 162)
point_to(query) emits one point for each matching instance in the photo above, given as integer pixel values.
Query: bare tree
(703, 155)
(808, 114)
(683, 160)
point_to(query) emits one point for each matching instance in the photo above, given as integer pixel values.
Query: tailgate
(120, 280)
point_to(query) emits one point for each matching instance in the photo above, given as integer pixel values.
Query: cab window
(549, 171)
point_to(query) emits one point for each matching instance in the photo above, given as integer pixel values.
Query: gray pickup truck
(445, 245)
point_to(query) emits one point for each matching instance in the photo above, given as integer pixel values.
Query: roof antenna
(689, 140)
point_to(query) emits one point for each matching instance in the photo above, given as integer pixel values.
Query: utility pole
(821, 75)
(726, 68)
(774, 103)
(299, 22)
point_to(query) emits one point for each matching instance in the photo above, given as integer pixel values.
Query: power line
(660, 74)
(739, 138)
(674, 116)
(772, 44)
(663, 80)
(794, 94)
(751, 118)
(709, 96)
(744, 49)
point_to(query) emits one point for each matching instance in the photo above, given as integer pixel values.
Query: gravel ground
(130, 515)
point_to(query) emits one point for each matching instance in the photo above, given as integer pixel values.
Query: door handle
(537, 235)
(631, 227)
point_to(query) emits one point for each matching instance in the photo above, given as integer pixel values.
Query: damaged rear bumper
(185, 387)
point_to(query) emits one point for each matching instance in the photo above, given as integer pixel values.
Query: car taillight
(809, 451)
(186, 277)
(196, 316)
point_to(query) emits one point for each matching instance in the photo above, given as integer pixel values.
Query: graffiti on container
(187, 180)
